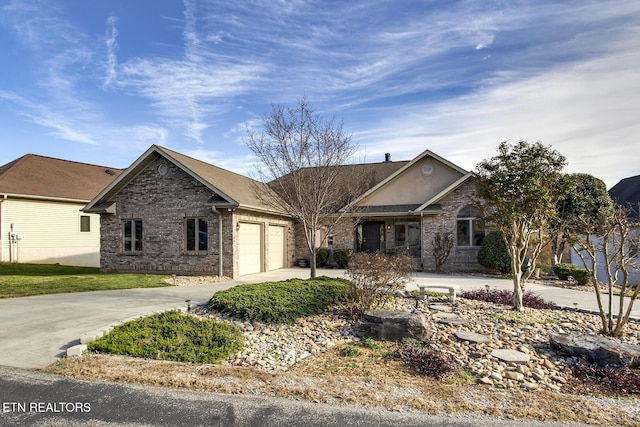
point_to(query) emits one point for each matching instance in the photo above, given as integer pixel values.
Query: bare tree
(442, 246)
(615, 246)
(302, 156)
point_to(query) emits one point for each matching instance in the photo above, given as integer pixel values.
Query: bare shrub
(372, 277)
(442, 245)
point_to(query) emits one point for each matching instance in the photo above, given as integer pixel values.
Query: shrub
(616, 379)
(415, 355)
(342, 257)
(563, 270)
(372, 275)
(505, 297)
(321, 257)
(581, 275)
(442, 246)
(172, 336)
(280, 302)
(371, 344)
(493, 253)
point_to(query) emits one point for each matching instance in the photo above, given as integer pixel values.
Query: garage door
(250, 245)
(276, 247)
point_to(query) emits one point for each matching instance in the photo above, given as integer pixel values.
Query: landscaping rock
(472, 337)
(449, 318)
(391, 325)
(597, 349)
(510, 356)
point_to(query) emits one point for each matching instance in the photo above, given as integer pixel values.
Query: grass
(22, 280)
(172, 336)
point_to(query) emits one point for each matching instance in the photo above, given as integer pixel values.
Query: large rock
(597, 349)
(392, 325)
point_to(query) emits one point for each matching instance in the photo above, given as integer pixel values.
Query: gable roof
(43, 177)
(430, 203)
(627, 193)
(231, 190)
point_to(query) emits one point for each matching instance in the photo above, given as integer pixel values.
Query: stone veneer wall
(461, 258)
(163, 202)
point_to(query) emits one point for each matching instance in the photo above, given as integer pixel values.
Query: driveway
(36, 331)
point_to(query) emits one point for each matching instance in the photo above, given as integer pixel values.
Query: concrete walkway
(36, 331)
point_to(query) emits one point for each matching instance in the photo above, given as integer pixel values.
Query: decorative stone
(511, 356)
(391, 325)
(496, 376)
(472, 337)
(597, 349)
(449, 318)
(440, 307)
(515, 376)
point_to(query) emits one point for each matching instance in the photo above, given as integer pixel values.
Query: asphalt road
(32, 398)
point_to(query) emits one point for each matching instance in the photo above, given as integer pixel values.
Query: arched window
(470, 227)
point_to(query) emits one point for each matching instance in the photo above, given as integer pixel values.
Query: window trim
(134, 239)
(197, 250)
(88, 223)
(472, 222)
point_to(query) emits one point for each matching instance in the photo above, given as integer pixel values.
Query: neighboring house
(41, 221)
(169, 213)
(625, 193)
(172, 214)
(405, 210)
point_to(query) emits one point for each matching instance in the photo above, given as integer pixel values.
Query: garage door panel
(276, 247)
(250, 248)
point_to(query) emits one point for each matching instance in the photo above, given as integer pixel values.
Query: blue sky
(100, 81)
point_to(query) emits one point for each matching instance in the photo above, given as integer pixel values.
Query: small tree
(614, 242)
(373, 274)
(519, 186)
(301, 155)
(442, 245)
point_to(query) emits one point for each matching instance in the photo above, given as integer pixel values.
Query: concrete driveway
(36, 331)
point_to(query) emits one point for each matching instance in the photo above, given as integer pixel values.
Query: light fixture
(237, 226)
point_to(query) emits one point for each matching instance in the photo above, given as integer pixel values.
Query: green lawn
(21, 280)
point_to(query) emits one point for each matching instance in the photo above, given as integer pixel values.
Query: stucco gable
(423, 179)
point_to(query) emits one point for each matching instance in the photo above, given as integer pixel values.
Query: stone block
(510, 356)
(392, 325)
(597, 349)
(76, 350)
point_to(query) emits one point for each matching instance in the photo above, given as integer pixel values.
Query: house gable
(419, 181)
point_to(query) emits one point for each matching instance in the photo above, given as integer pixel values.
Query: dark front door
(372, 232)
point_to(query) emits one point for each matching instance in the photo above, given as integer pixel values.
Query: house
(405, 210)
(173, 214)
(40, 211)
(170, 213)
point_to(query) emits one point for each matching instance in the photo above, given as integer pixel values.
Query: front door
(372, 236)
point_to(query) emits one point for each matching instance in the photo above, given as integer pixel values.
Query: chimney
(387, 157)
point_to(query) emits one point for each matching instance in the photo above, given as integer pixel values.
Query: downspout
(220, 259)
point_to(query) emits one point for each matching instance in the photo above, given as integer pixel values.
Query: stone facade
(164, 202)
(461, 258)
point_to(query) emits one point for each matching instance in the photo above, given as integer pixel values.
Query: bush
(581, 275)
(280, 302)
(342, 257)
(505, 297)
(619, 380)
(373, 275)
(172, 336)
(414, 354)
(321, 257)
(563, 270)
(493, 253)
(350, 351)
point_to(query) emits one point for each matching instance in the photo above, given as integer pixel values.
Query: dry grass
(370, 380)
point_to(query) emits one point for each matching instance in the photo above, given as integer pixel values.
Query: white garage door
(250, 245)
(276, 247)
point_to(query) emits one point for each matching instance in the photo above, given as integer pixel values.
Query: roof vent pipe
(387, 157)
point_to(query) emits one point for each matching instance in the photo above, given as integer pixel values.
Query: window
(132, 235)
(197, 238)
(85, 224)
(470, 227)
(407, 237)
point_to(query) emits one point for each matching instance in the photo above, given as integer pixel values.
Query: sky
(101, 81)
